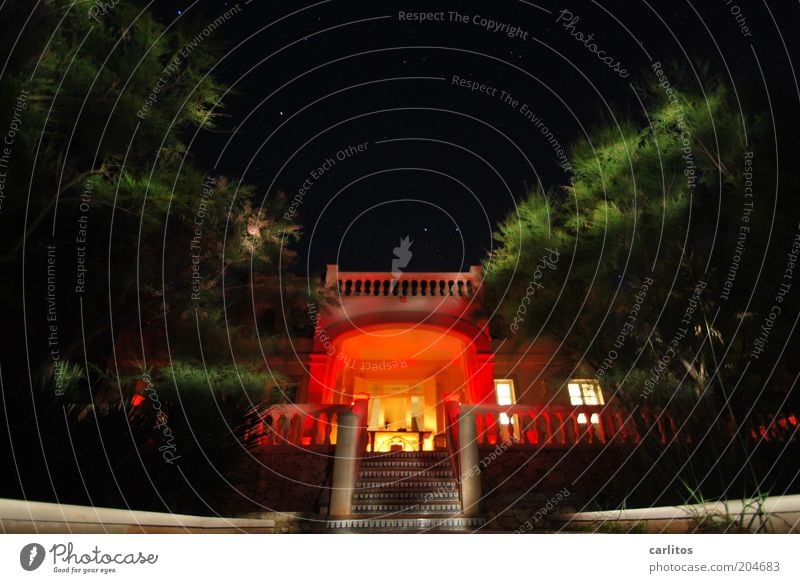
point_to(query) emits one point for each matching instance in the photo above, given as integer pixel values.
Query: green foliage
(643, 204)
(111, 110)
(69, 375)
(229, 380)
(659, 205)
(115, 105)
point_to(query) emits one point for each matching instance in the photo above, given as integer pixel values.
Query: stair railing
(350, 446)
(452, 410)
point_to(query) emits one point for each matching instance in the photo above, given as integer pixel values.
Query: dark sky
(440, 163)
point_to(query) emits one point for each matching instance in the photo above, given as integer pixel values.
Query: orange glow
(400, 374)
(386, 441)
(402, 347)
(137, 400)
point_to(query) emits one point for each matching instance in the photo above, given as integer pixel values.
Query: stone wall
(771, 514)
(24, 516)
(518, 483)
(288, 480)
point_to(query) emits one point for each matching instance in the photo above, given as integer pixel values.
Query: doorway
(397, 418)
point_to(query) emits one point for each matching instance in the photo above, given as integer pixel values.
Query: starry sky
(356, 113)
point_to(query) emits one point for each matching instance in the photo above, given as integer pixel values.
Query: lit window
(583, 392)
(504, 391)
(595, 419)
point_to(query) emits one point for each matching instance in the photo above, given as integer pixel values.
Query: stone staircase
(406, 492)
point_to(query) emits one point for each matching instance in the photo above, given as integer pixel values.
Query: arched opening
(407, 372)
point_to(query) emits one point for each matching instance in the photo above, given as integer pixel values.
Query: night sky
(439, 162)
(380, 122)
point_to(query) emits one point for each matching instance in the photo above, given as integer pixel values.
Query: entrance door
(395, 411)
(397, 417)
(395, 407)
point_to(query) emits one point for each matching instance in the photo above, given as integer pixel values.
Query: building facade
(406, 386)
(408, 414)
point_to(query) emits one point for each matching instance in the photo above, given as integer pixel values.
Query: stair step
(456, 523)
(407, 509)
(370, 495)
(402, 464)
(407, 454)
(420, 484)
(408, 484)
(405, 473)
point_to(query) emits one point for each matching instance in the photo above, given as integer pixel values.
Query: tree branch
(43, 213)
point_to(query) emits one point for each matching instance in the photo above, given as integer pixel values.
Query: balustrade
(408, 284)
(565, 425)
(294, 424)
(519, 425)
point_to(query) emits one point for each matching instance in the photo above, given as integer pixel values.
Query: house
(408, 413)
(430, 421)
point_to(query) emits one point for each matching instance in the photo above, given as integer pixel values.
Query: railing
(408, 284)
(564, 425)
(298, 424)
(775, 427)
(536, 425)
(451, 412)
(544, 425)
(361, 409)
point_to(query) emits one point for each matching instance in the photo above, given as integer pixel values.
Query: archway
(407, 371)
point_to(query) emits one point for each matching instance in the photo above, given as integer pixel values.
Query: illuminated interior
(407, 373)
(585, 392)
(504, 391)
